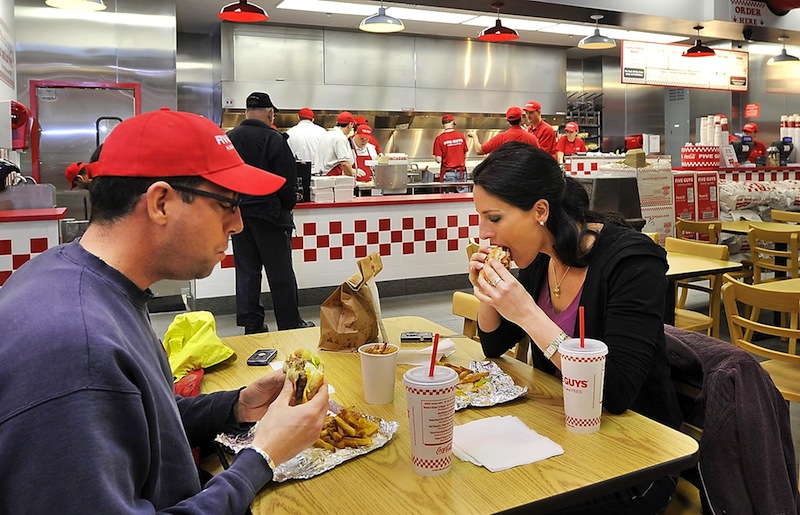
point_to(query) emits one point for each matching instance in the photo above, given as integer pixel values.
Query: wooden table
(786, 285)
(687, 266)
(629, 448)
(743, 226)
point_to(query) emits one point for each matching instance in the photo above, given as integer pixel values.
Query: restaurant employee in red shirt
(759, 149)
(450, 149)
(543, 131)
(365, 153)
(569, 143)
(515, 132)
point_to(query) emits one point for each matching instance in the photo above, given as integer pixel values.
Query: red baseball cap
(345, 117)
(72, 171)
(533, 105)
(513, 113)
(167, 143)
(750, 127)
(447, 118)
(364, 130)
(306, 113)
(571, 126)
(361, 119)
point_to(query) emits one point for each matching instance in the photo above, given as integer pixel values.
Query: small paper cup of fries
(378, 366)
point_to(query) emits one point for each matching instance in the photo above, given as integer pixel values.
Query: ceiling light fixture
(381, 23)
(699, 49)
(783, 57)
(596, 41)
(77, 5)
(497, 32)
(243, 12)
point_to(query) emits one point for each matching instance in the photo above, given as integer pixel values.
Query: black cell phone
(416, 336)
(262, 357)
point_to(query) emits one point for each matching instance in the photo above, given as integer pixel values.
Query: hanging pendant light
(699, 49)
(381, 23)
(597, 41)
(243, 12)
(497, 32)
(783, 57)
(77, 5)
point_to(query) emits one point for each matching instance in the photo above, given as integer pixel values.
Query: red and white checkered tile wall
(20, 241)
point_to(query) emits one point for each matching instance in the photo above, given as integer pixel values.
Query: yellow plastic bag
(191, 342)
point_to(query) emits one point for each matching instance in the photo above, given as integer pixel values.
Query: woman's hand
(497, 287)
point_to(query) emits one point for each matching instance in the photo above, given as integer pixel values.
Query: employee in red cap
(77, 174)
(266, 241)
(569, 143)
(362, 120)
(759, 149)
(88, 415)
(450, 149)
(365, 153)
(305, 136)
(335, 153)
(515, 132)
(543, 131)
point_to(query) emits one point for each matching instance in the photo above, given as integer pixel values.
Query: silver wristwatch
(552, 347)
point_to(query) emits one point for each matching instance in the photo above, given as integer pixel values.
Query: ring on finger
(496, 281)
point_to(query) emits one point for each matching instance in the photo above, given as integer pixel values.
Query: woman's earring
(541, 222)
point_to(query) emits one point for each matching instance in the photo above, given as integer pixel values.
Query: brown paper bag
(351, 316)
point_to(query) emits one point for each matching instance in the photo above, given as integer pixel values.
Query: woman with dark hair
(570, 256)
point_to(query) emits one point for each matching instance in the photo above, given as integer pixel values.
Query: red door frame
(137, 107)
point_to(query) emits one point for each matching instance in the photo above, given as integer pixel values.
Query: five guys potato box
(683, 187)
(707, 206)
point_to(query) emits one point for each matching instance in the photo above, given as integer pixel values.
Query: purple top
(566, 319)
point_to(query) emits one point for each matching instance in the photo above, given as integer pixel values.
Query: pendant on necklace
(557, 291)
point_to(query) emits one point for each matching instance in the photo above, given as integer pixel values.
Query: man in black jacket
(267, 236)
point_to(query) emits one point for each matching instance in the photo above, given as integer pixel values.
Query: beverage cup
(582, 374)
(378, 373)
(431, 414)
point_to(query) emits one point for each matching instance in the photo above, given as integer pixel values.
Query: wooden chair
(783, 366)
(466, 306)
(653, 236)
(773, 251)
(694, 320)
(701, 231)
(792, 217)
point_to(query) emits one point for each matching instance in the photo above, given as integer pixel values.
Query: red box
(683, 187)
(707, 205)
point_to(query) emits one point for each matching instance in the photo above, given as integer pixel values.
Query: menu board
(656, 64)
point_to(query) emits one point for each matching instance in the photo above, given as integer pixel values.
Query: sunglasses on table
(230, 203)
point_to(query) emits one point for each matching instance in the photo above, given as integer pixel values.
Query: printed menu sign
(656, 64)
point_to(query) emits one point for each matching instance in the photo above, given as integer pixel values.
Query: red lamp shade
(498, 33)
(243, 12)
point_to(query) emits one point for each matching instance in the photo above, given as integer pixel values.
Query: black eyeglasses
(230, 203)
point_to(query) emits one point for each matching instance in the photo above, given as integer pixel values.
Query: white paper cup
(378, 374)
(582, 374)
(431, 414)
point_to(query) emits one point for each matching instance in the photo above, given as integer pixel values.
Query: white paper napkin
(500, 443)
(423, 356)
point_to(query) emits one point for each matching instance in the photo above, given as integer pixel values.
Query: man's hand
(360, 172)
(257, 397)
(287, 430)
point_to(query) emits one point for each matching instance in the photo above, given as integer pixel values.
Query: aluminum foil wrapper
(500, 388)
(314, 460)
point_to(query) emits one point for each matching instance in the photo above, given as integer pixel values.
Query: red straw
(581, 323)
(433, 354)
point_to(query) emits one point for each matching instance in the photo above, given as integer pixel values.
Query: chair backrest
(696, 248)
(778, 215)
(775, 251)
(472, 247)
(466, 306)
(653, 236)
(701, 231)
(743, 303)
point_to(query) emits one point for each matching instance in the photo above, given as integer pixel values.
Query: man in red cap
(569, 143)
(543, 131)
(758, 148)
(90, 382)
(335, 153)
(266, 241)
(305, 137)
(365, 153)
(362, 120)
(515, 132)
(450, 149)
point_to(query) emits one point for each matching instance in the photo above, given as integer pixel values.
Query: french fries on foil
(348, 428)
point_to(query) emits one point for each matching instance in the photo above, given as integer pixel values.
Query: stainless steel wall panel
(195, 74)
(278, 55)
(363, 59)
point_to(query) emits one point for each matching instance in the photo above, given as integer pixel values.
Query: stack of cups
(431, 415)
(582, 373)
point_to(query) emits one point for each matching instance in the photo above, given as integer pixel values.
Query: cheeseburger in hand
(304, 369)
(501, 254)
